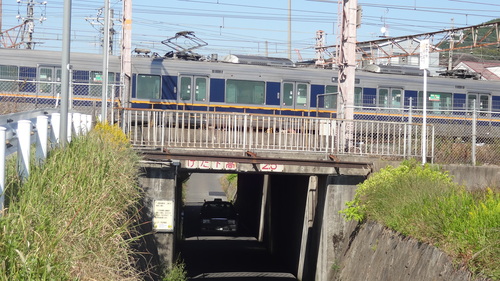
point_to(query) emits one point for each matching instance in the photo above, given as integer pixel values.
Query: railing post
(23, 149)
(245, 131)
(474, 133)
(42, 124)
(2, 167)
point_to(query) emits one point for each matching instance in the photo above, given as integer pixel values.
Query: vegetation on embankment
(74, 217)
(423, 202)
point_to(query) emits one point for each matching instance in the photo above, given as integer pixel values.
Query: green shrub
(424, 202)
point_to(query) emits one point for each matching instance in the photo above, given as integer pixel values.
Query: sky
(257, 27)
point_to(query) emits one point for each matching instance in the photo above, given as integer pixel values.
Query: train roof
(258, 60)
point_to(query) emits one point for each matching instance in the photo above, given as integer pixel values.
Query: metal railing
(19, 132)
(243, 132)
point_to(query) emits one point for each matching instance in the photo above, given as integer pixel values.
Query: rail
(162, 130)
(18, 132)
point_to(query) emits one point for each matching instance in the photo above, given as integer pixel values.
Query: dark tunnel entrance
(271, 220)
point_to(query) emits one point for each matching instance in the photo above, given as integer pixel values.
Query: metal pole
(65, 67)
(105, 59)
(424, 120)
(474, 132)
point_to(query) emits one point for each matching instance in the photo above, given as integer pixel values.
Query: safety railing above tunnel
(150, 129)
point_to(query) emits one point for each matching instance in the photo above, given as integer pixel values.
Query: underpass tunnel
(285, 213)
(278, 211)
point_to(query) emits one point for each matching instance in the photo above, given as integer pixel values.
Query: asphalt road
(222, 258)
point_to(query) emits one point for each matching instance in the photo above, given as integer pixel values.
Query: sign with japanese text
(163, 218)
(210, 165)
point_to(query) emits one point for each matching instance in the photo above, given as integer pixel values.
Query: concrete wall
(159, 182)
(373, 252)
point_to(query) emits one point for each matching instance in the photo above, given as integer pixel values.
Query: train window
(47, 77)
(96, 81)
(358, 96)
(302, 94)
(8, 72)
(390, 97)
(185, 88)
(193, 88)
(200, 89)
(246, 92)
(288, 94)
(295, 94)
(329, 99)
(482, 101)
(148, 86)
(437, 102)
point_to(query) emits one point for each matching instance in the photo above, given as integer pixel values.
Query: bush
(424, 202)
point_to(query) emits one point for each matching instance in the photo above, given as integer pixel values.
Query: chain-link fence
(24, 95)
(461, 136)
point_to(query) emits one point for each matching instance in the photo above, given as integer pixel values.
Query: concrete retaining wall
(373, 252)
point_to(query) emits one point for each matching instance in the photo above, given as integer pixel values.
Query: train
(253, 85)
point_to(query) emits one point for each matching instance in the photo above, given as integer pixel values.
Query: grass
(423, 202)
(74, 217)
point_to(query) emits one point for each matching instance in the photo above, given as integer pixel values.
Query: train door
(193, 92)
(390, 98)
(49, 76)
(295, 97)
(481, 100)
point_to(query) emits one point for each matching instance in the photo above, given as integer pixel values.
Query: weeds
(424, 202)
(73, 218)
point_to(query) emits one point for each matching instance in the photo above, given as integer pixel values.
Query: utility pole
(29, 22)
(105, 64)
(99, 21)
(346, 57)
(126, 52)
(452, 45)
(290, 29)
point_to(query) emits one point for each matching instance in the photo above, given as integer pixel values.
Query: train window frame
(154, 93)
(390, 97)
(291, 100)
(435, 104)
(233, 88)
(483, 97)
(47, 83)
(193, 89)
(9, 72)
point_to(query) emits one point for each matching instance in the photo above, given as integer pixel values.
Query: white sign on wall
(163, 218)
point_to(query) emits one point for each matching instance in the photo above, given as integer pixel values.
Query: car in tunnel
(218, 217)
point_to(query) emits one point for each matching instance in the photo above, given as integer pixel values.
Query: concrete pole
(126, 52)
(105, 60)
(65, 71)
